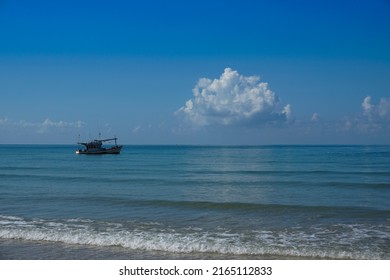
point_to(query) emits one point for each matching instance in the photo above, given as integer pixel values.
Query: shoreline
(14, 249)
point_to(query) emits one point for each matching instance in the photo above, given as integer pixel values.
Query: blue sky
(195, 72)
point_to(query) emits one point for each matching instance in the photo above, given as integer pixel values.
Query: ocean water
(195, 202)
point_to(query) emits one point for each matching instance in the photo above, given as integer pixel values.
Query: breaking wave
(355, 241)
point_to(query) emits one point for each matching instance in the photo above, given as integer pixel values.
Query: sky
(232, 72)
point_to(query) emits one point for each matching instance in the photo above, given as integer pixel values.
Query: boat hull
(101, 151)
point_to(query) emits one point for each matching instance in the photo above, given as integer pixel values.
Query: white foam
(11, 218)
(322, 243)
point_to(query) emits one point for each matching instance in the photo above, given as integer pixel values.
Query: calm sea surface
(190, 202)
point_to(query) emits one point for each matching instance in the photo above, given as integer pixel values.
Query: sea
(195, 202)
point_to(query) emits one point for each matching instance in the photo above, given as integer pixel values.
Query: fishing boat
(95, 147)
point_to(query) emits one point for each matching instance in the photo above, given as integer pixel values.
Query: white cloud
(136, 129)
(3, 121)
(41, 127)
(47, 124)
(232, 99)
(315, 117)
(376, 117)
(287, 111)
(383, 108)
(367, 106)
(379, 112)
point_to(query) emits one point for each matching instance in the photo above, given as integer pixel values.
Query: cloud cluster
(234, 99)
(41, 127)
(378, 112)
(376, 117)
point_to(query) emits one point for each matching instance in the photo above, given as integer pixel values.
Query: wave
(246, 207)
(355, 241)
(239, 206)
(250, 179)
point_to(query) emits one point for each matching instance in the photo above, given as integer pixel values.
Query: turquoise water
(195, 202)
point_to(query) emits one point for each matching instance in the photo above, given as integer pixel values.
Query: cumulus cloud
(367, 106)
(383, 108)
(232, 99)
(375, 117)
(287, 111)
(379, 112)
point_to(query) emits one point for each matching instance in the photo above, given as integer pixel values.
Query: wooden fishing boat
(95, 147)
